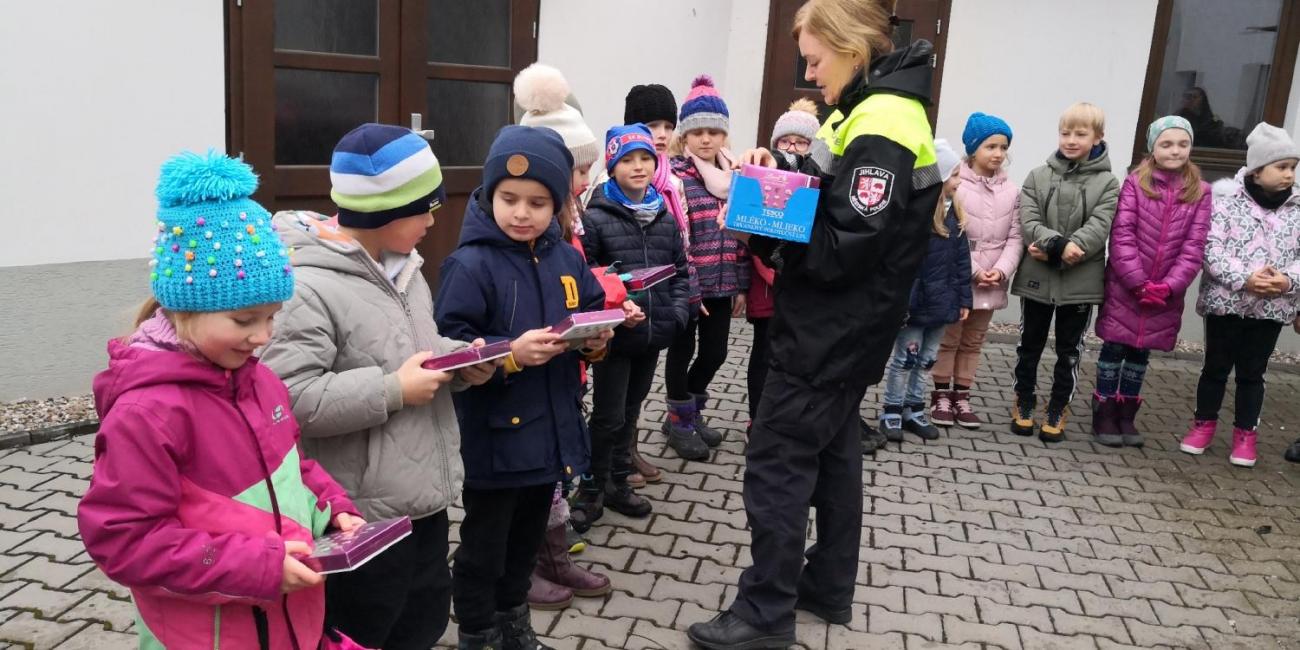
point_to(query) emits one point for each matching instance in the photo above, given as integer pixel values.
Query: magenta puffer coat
(1159, 240)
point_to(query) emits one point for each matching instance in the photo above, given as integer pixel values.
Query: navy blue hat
(533, 152)
(979, 127)
(622, 140)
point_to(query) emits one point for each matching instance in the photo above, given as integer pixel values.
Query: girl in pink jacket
(1157, 242)
(199, 501)
(991, 203)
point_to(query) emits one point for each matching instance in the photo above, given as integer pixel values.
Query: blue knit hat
(704, 108)
(1162, 124)
(533, 152)
(215, 249)
(979, 126)
(622, 140)
(381, 173)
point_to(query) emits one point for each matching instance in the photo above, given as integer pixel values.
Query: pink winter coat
(1156, 240)
(992, 208)
(192, 465)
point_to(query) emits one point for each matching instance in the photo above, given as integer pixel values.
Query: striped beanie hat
(704, 108)
(380, 173)
(215, 249)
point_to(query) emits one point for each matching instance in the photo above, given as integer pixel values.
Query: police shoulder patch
(871, 190)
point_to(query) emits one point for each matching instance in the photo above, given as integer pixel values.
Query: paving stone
(94, 637)
(1023, 596)
(48, 602)
(52, 574)
(59, 548)
(115, 614)
(1151, 635)
(950, 585)
(1033, 639)
(993, 613)
(1110, 627)
(1100, 606)
(612, 632)
(661, 612)
(839, 637)
(1003, 635)
(881, 621)
(1024, 574)
(918, 602)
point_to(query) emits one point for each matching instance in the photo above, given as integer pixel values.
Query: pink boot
(1243, 448)
(1198, 437)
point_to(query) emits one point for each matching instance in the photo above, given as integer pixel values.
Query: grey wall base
(56, 320)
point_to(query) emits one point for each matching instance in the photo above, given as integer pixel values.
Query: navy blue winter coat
(943, 285)
(524, 428)
(612, 234)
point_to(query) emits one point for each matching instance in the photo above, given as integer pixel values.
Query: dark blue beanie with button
(535, 153)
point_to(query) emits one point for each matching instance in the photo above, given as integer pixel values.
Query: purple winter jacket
(1157, 240)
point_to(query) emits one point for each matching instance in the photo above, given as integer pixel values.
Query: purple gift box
(346, 551)
(586, 325)
(642, 279)
(468, 357)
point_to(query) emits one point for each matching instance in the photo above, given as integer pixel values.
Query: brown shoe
(555, 565)
(966, 417)
(636, 480)
(546, 595)
(941, 412)
(647, 471)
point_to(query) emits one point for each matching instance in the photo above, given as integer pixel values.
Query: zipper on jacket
(541, 303)
(1155, 264)
(275, 512)
(415, 336)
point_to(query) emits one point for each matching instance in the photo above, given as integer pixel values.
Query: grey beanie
(1268, 144)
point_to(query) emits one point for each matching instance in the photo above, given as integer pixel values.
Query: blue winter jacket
(943, 285)
(525, 428)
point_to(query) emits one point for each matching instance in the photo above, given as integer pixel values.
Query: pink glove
(1153, 294)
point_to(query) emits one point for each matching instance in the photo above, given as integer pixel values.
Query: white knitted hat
(541, 90)
(1268, 144)
(800, 120)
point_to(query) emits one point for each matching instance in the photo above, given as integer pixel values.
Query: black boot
(489, 639)
(729, 632)
(1292, 453)
(711, 437)
(588, 505)
(620, 498)
(516, 630)
(872, 439)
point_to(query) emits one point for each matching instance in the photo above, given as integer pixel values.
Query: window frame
(1216, 161)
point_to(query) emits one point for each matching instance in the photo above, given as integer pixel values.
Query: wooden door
(783, 79)
(302, 73)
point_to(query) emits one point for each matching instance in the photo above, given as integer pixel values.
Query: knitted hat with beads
(800, 120)
(542, 92)
(380, 173)
(650, 103)
(704, 108)
(215, 249)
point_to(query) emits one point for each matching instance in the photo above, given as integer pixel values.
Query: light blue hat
(215, 249)
(1164, 124)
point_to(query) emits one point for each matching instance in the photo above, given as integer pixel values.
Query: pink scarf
(716, 177)
(663, 182)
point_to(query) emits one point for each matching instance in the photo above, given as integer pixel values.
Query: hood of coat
(155, 355)
(316, 241)
(480, 227)
(904, 71)
(1236, 186)
(1091, 166)
(968, 175)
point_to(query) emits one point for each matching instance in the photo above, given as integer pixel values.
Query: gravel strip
(30, 415)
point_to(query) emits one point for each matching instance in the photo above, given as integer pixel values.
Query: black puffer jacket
(613, 234)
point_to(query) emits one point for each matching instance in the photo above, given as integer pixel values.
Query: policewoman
(840, 301)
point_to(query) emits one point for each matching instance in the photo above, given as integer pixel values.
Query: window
(1225, 66)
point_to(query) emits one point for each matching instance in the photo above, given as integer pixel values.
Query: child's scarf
(651, 203)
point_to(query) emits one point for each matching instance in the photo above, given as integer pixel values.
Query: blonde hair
(1191, 191)
(859, 28)
(941, 215)
(1084, 114)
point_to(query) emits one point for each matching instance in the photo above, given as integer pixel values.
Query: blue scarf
(651, 203)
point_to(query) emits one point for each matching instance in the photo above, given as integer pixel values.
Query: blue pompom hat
(979, 127)
(215, 249)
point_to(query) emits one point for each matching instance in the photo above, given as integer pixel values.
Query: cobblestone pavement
(979, 539)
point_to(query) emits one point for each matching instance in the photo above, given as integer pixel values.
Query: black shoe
(1293, 452)
(587, 508)
(838, 616)
(728, 632)
(489, 639)
(872, 439)
(1022, 414)
(711, 437)
(891, 425)
(919, 423)
(623, 500)
(516, 629)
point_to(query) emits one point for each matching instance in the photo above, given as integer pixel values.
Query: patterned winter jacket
(721, 261)
(1244, 238)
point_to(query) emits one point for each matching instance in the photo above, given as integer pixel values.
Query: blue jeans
(915, 351)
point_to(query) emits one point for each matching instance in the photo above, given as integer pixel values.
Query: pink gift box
(642, 279)
(340, 551)
(586, 325)
(468, 357)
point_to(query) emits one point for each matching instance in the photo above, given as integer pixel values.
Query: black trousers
(1035, 322)
(620, 384)
(759, 357)
(499, 539)
(401, 598)
(1244, 345)
(805, 449)
(683, 378)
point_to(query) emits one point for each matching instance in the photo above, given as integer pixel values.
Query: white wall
(1012, 58)
(600, 48)
(96, 96)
